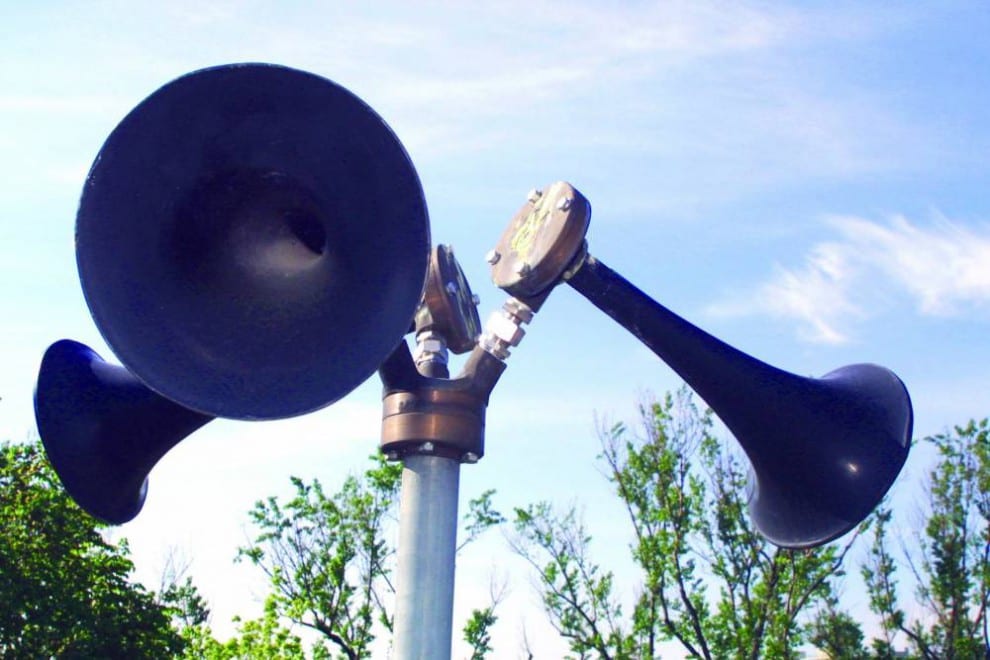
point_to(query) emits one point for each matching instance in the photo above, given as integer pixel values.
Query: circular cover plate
(252, 241)
(449, 306)
(541, 240)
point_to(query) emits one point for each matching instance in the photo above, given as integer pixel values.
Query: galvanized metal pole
(434, 424)
(427, 543)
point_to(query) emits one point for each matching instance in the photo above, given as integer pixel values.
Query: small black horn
(103, 430)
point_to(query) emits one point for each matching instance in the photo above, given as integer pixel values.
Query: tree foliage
(264, 637)
(480, 517)
(477, 631)
(948, 561)
(327, 559)
(709, 580)
(64, 588)
(576, 592)
(330, 564)
(838, 634)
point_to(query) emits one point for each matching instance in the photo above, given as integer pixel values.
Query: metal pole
(434, 423)
(427, 543)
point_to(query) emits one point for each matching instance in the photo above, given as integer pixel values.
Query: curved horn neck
(824, 451)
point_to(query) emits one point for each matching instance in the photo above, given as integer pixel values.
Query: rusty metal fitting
(439, 416)
(442, 420)
(579, 260)
(430, 347)
(504, 328)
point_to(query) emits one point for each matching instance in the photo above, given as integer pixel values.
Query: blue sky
(806, 181)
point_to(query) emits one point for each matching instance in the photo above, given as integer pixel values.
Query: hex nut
(503, 327)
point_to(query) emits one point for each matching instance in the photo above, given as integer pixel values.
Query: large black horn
(252, 242)
(824, 451)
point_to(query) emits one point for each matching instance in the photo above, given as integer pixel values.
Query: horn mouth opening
(252, 241)
(250, 224)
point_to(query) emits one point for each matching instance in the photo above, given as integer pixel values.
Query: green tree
(481, 516)
(326, 556)
(948, 562)
(64, 588)
(264, 637)
(838, 634)
(576, 593)
(477, 631)
(709, 580)
(330, 565)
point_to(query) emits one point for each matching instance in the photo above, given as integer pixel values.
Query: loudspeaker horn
(824, 451)
(252, 241)
(103, 430)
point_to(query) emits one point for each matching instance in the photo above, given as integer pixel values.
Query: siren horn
(252, 242)
(104, 430)
(824, 451)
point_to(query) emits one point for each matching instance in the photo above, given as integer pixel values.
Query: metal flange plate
(541, 241)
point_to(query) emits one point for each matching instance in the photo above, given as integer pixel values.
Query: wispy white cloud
(709, 93)
(942, 268)
(945, 267)
(447, 68)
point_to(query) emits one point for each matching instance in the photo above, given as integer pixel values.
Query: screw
(564, 203)
(469, 457)
(523, 269)
(534, 195)
(492, 257)
(426, 447)
(475, 299)
(452, 288)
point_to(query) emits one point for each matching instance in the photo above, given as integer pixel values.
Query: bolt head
(475, 299)
(564, 203)
(492, 257)
(523, 269)
(452, 288)
(469, 457)
(426, 447)
(534, 195)
(392, 455)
